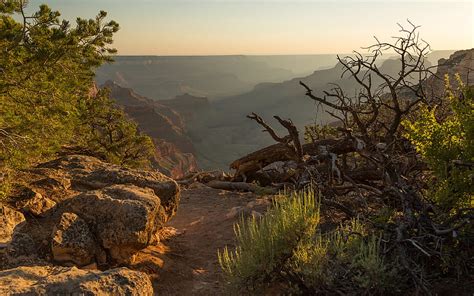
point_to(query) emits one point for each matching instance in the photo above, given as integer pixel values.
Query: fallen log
(203, 177)
(241, 186)
(279, 152)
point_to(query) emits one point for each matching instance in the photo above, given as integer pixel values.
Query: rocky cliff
(165, 123)
(460, 62)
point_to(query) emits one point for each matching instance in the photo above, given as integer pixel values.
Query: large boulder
(47, 280)
(124, 218)
(88, 173)
(83, 211)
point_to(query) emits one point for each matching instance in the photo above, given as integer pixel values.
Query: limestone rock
(9, 221)
(53, 187)
(47, 280)
(124, 218)
(89, 173)
(21, 245)
(73, 242)
(96, 212)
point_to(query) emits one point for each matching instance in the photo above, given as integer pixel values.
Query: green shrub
(46, 75)
(347, 259)
(108, 132)
(445, 140)
(287, 247)
(265, 246)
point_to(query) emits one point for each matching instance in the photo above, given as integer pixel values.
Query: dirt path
(186, 263)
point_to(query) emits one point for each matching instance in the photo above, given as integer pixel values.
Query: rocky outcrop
(103, 214)
(125, 219)
(164, 124)
(47, 280)
(460, 62)
(88, 173)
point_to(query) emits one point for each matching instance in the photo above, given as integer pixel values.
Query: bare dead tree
(381, 92)
(291, 140)
(380, 166)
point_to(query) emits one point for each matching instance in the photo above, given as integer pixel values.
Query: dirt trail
(186, 263)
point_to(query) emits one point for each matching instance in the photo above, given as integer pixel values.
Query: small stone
(92, 266)
(34, 203)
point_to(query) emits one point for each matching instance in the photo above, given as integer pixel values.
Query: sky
(271, 27)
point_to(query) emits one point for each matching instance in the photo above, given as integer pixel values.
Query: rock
(234, 212)
(16, 247)
(52, 187)
(124, 218)
(237, 212)
(89, 173)
(22, 250)
(88, 211)
(31, 201)
(73, 242)
(47, 280)
(10, 221)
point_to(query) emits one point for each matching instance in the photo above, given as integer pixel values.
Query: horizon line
(243, 55)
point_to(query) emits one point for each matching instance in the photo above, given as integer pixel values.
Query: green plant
(347, 259)
(287, 246)
(46, 77)
(109, 133)
(444, 137)
(47, 67)
(265, 246)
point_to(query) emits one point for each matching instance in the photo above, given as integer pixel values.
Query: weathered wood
(291, 141)
(279, 152)
(241, 186)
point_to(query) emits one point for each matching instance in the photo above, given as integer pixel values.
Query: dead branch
(291, 141)
(241, 186)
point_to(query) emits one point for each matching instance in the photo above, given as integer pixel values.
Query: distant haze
(225, 27)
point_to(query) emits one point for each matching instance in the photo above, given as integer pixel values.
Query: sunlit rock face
(103, 214)
(49, 280)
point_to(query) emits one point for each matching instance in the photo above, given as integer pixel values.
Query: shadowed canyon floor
(186, 263)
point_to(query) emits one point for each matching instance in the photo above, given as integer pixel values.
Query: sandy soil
(186, 262)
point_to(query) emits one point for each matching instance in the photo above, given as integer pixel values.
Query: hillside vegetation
(47, 95)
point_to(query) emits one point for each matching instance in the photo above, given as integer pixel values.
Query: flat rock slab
(48, 280)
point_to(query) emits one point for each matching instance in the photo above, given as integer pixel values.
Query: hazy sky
(209, 27)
